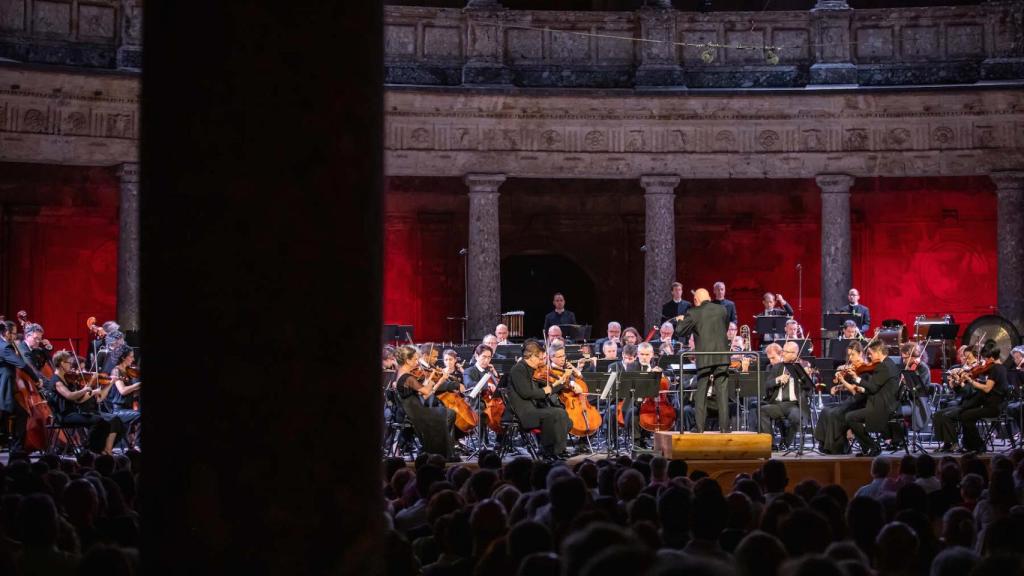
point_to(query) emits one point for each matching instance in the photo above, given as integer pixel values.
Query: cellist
(9, 406)
(472, 375)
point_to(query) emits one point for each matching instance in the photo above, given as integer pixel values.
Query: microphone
(798, 266)
(462, 252)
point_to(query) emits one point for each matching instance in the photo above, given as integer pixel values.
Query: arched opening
(529, 281)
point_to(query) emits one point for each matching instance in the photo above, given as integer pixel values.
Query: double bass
(32, 402)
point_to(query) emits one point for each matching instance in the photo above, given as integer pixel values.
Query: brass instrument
(745, 333)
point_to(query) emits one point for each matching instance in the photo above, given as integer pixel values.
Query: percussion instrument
(514, 321)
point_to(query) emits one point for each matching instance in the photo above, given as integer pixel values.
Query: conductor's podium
(713, 445)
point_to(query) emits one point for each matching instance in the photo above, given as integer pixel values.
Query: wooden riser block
(713, 445)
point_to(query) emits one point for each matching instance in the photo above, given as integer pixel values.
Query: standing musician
(677, 306)
(533, 404)
(708, 322)
(666, 344)
(559, 315)
(858, 309)
(770, 302)
(990, 393)
(34, 349)
(415, 386)
(78, 404)
(880, 389)
(120, 398)
(830, 432)
(473, 375)
(719, 290)
(782, 398)
(10, 409)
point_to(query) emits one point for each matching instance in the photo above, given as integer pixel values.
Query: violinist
(530, 401)
(782, 400)
(120, 399)
(880, 390)
(10, 408)
(830, 431)
(115, 345)
(77, 404)
(989, 381)
(915, 358)
(473, 375)
(415, 385)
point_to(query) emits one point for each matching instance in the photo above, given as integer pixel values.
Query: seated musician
(944, 419)
(77, 404)
(916, 404)
(533, 404)
(731, 331)
(626, 364)
(501, 332)
(880, 389)
(830, 432)
(472, 376)
(431, 422)
(609, 351)
(989, 380)
(120, 400)
(644, 363)
(837, 346)
(1015, 378)
(795, 332)
(491, 341)
(115, 344)
(631, 336)
(613, 335)
(782, 397)
(666, 342)
(12, 413)
(555, 333)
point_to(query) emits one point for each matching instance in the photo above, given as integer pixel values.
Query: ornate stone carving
(420, 138)
(898, 138)
(635, 141)
(76, 123)
(943, 136)
(856, 139)
(595, 140)
(725, 141)
(34, 121)
(813, 140)
(551, 140)
(119, 125)
(768, 139)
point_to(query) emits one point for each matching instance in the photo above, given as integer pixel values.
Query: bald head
(700, 296)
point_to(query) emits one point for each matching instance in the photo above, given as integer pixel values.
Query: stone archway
(528, 282)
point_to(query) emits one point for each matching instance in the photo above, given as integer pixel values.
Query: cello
(584, 418)
(38, 410)
(494, 406)
(656, 414)
(466, 419)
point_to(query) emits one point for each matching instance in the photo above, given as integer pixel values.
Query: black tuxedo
(782, 401)
(708, 323)
(535, 409)
(672, 309)
(862, 311)
(880, 389)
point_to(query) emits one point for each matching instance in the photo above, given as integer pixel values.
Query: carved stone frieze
(789, 135)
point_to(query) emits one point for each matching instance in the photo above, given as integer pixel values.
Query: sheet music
(608, 385)
(479, 385)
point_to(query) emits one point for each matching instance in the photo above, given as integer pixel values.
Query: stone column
(128, 249)
(485, 45)
(1006, 60)
(129, 52)
(830, 28)
(659, 60)
(1010, 242)
(836, 274)
(660, 238)
(484, 257)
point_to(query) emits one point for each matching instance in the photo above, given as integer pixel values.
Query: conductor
(708, 322)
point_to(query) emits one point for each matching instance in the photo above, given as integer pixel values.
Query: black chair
(990, 428)
(400, 438)
(512, 427)
(74, 437)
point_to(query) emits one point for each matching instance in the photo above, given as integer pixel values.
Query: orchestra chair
(401, 437)
(75, 436)
(512, 427)
(989, 429)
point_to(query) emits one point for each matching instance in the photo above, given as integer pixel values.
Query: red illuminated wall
(60, 233)
(919, 246)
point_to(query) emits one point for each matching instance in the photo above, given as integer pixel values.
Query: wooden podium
(713, 445)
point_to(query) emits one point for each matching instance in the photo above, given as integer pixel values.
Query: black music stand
(910, 383)
(503, 365)
(391, 333)
(942, 332)
(571, 332)
(834, 321)
(406, 332)
(746, 385)
(643, 385)
(770, 325)
(508, 350)
(805, 385)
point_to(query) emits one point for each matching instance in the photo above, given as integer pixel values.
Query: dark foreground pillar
(260, 254)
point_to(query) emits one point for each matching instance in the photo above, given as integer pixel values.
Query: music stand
(910, 379)
(804, 385)
(834, 321)
(643, 385)
(612, 394)
(770, 325)
(391, 333)
(746, 385)
(406, 332)
(571, 332)
(503, 365)
(942, 332)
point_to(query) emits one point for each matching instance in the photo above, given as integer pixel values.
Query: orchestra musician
(731, 332)
(555, 335)
(665, 343)
(782, 400)
(122, 392)
(719, 291)
(114, 344)
(491, 341)
(626, 364)
(473, 375)
(858, 309)
(33, 349)
(915, 357)
(1015, 378)
(609, 350)
(533, 404)
(795, 332)
(559, 315)
(644, 362)
(830, 431)
(415, 386)
(78, 405)
(501, 332)
(614, 334)
(631, 336)
(707, 322)
(944, 419)
(880, 390)
(677, 306)
(10, 408)
(771, 303)
(989, 379)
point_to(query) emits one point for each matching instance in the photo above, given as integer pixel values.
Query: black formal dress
(431, 422)
(830, 431)
(535, 409)
(671, 309)
(85, 414)
(708, 323)
(730, 307)
(880, 389)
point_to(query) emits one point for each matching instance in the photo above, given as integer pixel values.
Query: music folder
(608, 385)
(480, 385)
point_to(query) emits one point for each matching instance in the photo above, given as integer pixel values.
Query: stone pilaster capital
(484, 183)
(1009, 180)
(834, 183)
(830, 5)
(659, 183)
(128, 173)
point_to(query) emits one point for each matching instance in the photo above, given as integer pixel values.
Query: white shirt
(792, 388)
